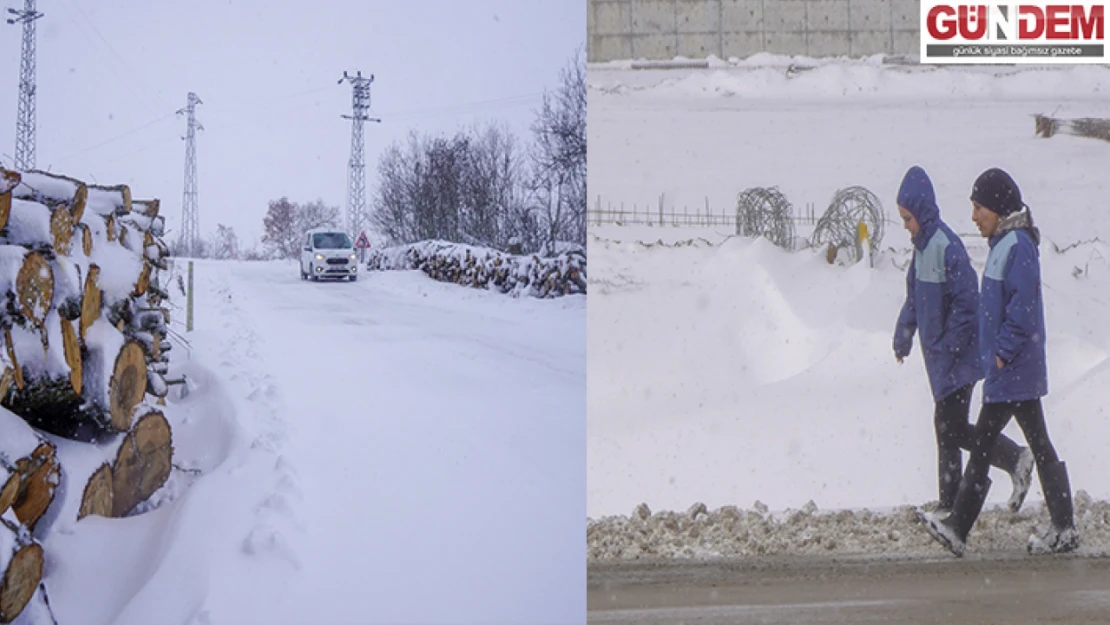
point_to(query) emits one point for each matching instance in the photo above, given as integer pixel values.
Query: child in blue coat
(942, 307)
(1012, 348)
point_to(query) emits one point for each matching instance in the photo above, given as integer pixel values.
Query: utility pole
(190, 240)
(356, 167)
(25, 116)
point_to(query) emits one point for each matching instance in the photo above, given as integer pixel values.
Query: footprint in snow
(283, 465)
(288, 485)
(265, 540)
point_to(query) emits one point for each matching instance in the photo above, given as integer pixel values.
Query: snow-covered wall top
(665, 29)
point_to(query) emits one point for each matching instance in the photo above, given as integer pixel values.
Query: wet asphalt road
(994, 589)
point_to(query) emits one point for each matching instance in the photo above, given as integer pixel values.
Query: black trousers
(992, 419)
(955, 432)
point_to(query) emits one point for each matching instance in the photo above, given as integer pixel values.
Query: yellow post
(864, 240)
(189, 302)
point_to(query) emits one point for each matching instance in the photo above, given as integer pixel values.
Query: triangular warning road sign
(362, 242)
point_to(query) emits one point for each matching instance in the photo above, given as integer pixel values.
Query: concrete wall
(664, 29)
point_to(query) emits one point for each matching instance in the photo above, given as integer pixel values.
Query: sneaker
(1022, 478)
(943, 533)
(1054, 541)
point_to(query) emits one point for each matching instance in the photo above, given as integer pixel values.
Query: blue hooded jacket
(1011, 320)
(942, 295)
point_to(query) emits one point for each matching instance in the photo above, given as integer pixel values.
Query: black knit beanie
(996, 191)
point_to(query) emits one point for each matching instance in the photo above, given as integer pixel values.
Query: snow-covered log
(83, 398)
(488, 269)
(21, 563)
(52, 190)
(29, 470)
(109, 200)
(84, 317)
(27, 283)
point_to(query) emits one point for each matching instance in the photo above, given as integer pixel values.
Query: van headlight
(352, 255)
(319, 257)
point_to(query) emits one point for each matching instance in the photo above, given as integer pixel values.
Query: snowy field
(390, 450)
(727, 372)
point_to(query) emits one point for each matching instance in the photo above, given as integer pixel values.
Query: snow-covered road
(390, 450)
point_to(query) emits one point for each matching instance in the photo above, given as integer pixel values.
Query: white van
(328, 253)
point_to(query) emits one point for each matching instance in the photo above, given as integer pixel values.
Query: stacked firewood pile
(83, 355)
(1092, 127)
(564, 274)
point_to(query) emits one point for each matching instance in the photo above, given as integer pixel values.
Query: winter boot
(952, 530)
(1062, 536)
(1022, 478)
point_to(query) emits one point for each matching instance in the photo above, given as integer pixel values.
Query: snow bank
(483, 268)
(728, 370)
(730, 531)
(772, 78)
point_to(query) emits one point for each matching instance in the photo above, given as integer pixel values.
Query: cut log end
(6, 380)
(35, 288)
(9, 492)
(21, 578)
(5, 208)
(86, 240)
(18, 370)
(126, 474)
(143, 283)
(143, 463)
(80, 200)
(62, 228)
(40, 475)
(97, 498)
(128, 385)
(72, 349)
(90, 301)
(154, 443)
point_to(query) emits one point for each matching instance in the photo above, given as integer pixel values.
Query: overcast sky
(111, 74)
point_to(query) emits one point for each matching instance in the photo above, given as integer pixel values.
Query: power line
(123, 62)
(467, 107)
(116, 138)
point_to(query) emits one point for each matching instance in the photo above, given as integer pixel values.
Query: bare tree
(478, 187)
(559, 157)
(493, 192)
(394, 204)
(225, 244)
(316, 215)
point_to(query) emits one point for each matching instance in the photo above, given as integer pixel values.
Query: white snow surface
(104, 201)
(120, 267)
(17, 439)
(29, 223)
(47, 186)
(390, 450)
(727, 371)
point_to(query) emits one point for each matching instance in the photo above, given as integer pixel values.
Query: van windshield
(331, 241)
